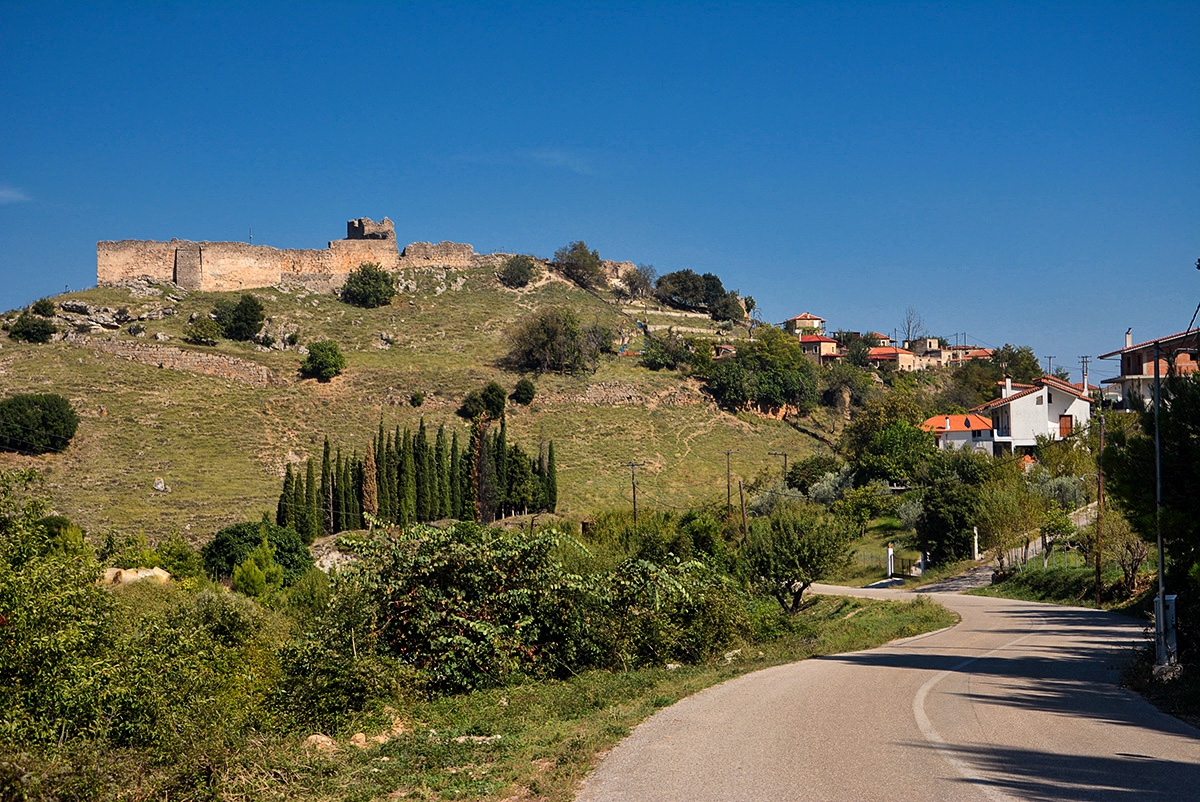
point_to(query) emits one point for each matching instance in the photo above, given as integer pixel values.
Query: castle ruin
(232, 266)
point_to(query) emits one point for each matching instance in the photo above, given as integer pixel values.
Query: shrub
(416, 399)
(368, 286)
(489, 401)
(43, 307)
(806, 472)
(36, 424)
(202, 331)
(797, 545)
(32, 330)
(324, 360)
(293, 338)
(517, 271)
(579, 264)
(553, 340)
(233, 545)
(240, 321)
(524, 392)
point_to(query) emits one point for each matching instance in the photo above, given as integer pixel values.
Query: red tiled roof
(1159, 340)
(816, 338)
(958, 423)
(1045, 382)
(805, 316)
(887, 352)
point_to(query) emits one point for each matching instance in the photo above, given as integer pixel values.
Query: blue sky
(1021, 172)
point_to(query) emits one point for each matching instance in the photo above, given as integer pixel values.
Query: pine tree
(283, 509)
(326, 491)
(370, 499)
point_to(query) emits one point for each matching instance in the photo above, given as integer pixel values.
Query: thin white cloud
(562, 158)
(12, 195)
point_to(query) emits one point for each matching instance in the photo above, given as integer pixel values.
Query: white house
(957, 432)
(1048, 407)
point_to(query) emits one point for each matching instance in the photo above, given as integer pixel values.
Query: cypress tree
(442, 474)
(455, 479)
(312, 511)
(370, 490)
(283, 509)
(381, 472)
(356, 483)
(337, 522)
(500, 455)
(326, 492)
(421, 461)
(296, 509)
(409, 487)
(551, 480)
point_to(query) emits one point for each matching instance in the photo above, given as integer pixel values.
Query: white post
(975, 551)
(891, 561)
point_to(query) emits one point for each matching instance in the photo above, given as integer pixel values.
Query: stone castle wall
(233, 266)
(165, 356)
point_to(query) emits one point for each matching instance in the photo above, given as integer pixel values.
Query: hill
(218, 425)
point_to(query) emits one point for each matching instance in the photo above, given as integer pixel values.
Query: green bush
(579, 264)
(36, 424)
(324, 361)
(416, 399)
(240, 321)
(490, 401)
(43, 307)
(31, 329)
(202, 331)
(517, 271)
(798, 544)
(233, 545)
(554, 340)
(524, 392)
(368, 286)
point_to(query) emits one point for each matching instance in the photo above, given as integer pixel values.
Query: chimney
(1007, 386)
(947, 424)
(1129, 337)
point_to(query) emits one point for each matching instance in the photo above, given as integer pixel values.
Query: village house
(804, 324)
(958, 432)
(1137, 362)
(902, 358)
(1050, 407)
(928, 352)
(823, 350)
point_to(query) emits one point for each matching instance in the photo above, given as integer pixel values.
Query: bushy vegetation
(43, 307)
(239, 321)
(524, 392)
(202, 331)
(554, 341)
(32, 329)
(768, 372)
(233, 545)
(323, 361)
(368, 286)
(517, 271)
(685, 289)
(579, 264)
(489, 400)
(36, 424)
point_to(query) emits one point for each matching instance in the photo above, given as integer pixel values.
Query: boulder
(320, 743)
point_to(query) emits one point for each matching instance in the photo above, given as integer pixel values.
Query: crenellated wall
(232, 266)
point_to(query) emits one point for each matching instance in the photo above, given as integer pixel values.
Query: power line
(633, 466)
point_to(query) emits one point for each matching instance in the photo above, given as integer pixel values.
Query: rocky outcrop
(221, 366)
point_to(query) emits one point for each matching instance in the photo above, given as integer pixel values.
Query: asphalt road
(1018, 701)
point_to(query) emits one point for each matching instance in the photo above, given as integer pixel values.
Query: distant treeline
(406, 478)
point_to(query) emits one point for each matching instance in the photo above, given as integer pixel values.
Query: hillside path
(1019, 701)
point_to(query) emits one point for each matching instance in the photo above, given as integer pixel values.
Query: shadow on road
(1055, 777)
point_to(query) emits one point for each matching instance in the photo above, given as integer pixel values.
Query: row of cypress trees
(406, 478)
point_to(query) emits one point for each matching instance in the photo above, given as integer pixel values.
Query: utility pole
(633, 466)
(1084, 360)
(785, 456)
(1050, 366)
(728, 486)
(1099, 494)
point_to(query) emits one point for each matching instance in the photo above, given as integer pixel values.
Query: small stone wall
(165, 356)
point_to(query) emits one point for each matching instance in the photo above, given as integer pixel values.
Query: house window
(1039, 400)
(1049, 397)
(976, 434)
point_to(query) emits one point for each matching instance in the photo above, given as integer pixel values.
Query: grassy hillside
(221, 445)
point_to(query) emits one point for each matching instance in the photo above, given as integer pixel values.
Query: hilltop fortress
(231, 266)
